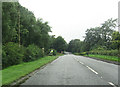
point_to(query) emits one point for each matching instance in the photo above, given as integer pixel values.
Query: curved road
(76, 70)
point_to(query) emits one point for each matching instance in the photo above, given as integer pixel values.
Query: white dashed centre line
(81, 62)
(78, 61)
(92, 70)
(111, 84)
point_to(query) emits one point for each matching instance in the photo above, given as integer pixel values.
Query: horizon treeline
(101, 38)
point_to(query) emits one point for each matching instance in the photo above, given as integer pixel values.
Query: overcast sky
(71, 18)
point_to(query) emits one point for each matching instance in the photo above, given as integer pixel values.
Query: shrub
(54, 52)
(83, 53)
(77, 53)
(12, 54)
(33, 52)
(105, 52)
(48, 51)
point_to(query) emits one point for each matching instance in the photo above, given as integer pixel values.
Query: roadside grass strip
(0, 78)
(111, 58)
(15, 72)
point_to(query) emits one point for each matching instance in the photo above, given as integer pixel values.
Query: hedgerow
(105, 52)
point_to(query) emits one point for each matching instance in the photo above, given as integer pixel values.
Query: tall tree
(116, 40)
(9, 21)
(100, 36)
(75, 46)
(59, 44)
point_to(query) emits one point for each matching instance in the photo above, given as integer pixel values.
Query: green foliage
(116, 39)
(106, 57)
(32, 31)
(33, 52)
(9, 21)
(105, 52)
(100, 36)
(20, 25)
(75, 46)
(12, 54)
(82, 54)
(54, 52)
(59, 44)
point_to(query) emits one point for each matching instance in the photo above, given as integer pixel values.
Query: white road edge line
(111, 84)
(92, 70)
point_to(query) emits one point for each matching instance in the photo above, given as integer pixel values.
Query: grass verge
(15, 72)
(111, 58)
(0, 72)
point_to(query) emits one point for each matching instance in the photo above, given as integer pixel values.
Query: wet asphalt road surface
(75, 70)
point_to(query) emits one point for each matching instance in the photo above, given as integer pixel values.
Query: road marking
(76, 59)
(92, 70)
(111, 84)
(81, 62)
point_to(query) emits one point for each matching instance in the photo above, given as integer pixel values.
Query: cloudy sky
(71, 18)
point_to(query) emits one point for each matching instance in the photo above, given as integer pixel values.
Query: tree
(9, 22)
(116, 40)
(51, 40)
(92, 38)
(59, 44)
(75, 46)
(100, 36)
(106, 31)
(19, 26)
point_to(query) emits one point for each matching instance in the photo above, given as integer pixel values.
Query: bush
(76, 53)
(105, 52)
(12, 54)
(83, 53)
(54, 52)
(33, 52)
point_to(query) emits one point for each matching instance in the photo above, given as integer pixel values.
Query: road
(76, 70)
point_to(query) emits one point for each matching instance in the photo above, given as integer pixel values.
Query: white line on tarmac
(111, 84)
(81, 62)
(76, 59)
(92, 70)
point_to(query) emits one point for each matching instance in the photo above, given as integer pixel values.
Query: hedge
(12, 54)
(105, 52)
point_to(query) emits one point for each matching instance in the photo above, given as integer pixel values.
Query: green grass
(0, 78)
(15, 72)
(111, 58)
